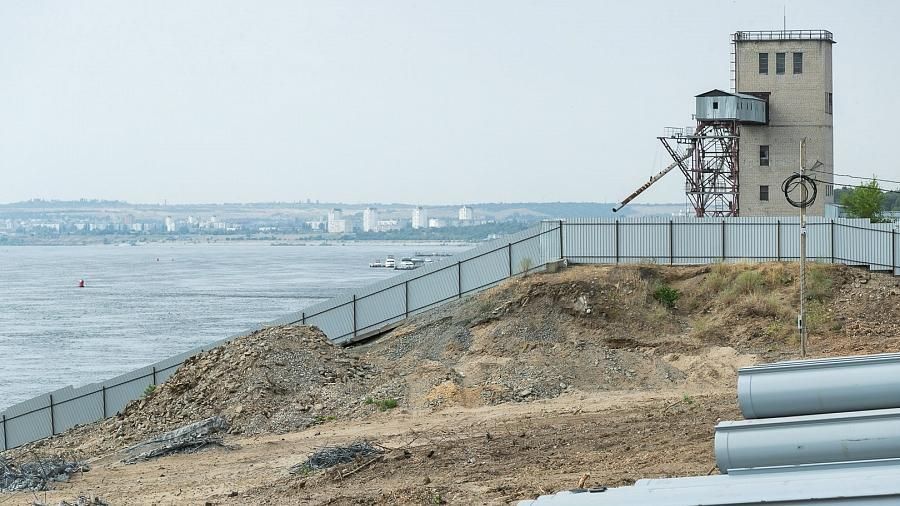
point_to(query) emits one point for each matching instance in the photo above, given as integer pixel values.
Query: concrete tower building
(420, 218)
(791, 69)
(370, 219)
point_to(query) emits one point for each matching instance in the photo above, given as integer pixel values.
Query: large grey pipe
(833, 385)
(813, 439)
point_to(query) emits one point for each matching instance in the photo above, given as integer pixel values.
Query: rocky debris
(275, 380)
(188, 439)
(331, 456)
(37, 475)
(80, 501)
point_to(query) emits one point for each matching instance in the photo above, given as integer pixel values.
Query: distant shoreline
(292, 241)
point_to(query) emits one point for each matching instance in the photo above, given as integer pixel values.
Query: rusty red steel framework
(712, 169)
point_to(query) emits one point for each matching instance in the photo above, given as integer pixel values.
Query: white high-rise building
(336, 222)
(466, 213)
(420, 218)
(170, 224)
(370, 219)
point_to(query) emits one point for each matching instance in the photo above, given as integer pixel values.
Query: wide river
(145, 303)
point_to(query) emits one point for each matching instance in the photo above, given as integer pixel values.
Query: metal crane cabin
(707, 155)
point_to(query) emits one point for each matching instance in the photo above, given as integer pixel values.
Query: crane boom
(653, 179)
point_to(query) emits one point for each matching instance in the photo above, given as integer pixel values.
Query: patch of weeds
(322, 419)
(149, 390)
(687, 399)
(437, 499)
(705, 329)
(818, 284)
(666, 295)
(745, 283)
(386, 404)
(525, 265)
(756, 304)
(817, 318)
(369, 400)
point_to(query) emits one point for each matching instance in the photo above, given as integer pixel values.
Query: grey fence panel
(696, 243)
(381, 308)
(439, 286)
(125, 388)
(337, 322)
(3, 445)
(486, 270)
(590, 242)
(748, 239)
(28, 421)
(77, 407)
(527, 255)
(864, 245)
(644, 241)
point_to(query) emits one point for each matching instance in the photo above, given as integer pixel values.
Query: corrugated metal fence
(361, 313)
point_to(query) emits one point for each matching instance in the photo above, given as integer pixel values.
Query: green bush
(386, 404)
(149, 390)
(666, 295)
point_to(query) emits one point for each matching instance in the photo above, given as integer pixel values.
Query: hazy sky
(413, 101)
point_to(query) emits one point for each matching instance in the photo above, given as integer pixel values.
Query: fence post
(617, 240)
(778, 240)
(52, 418)
(5, 440)
(354, 315)
(103, 396)
(459, 279)
(723, 240)
(832, 241)
(561, 256)
(509, 256)
(671, 243)
(894, 251)
(303, 318)
(406, 299)
(154, 375)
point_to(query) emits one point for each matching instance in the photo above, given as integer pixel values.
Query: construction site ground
(597, 375)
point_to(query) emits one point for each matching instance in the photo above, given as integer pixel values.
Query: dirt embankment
(615, 372)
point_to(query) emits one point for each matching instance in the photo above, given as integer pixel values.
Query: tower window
(715, 105)
(763, 63)
(829, 103)
(764, 192)
(779, 63)
(764, 156)
(798, 63)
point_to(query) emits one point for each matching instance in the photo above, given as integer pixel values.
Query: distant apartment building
(370, 220)
(170, 224)
(420, 218)
(387, 225)
(437, 223)
(466, 213)
(336, 222)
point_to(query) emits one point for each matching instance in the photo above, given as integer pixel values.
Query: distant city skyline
(426, 103)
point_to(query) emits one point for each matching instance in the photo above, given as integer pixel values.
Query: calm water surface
(145, 303)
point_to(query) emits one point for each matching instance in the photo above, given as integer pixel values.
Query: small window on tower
(764, 192)
(829, 103)
(764, 156)
(715, 105)
(798, 63)
(779, 63)
(763, 63)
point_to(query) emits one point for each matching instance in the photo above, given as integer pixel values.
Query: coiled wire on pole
(805, 183)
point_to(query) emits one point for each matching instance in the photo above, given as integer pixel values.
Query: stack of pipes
(823, 431)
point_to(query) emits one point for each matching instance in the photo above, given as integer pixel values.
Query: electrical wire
(882, 190)
(807, 183)
(856, 177)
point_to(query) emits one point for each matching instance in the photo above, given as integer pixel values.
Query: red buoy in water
(80, 283)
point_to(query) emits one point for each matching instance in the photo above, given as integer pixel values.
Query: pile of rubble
(275, 380)
(36, 475)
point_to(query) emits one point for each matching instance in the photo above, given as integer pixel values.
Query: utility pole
(801, 319)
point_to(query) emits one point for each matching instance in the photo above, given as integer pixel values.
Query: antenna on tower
(784, 15)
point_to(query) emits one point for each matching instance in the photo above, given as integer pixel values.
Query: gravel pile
(274, 380)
